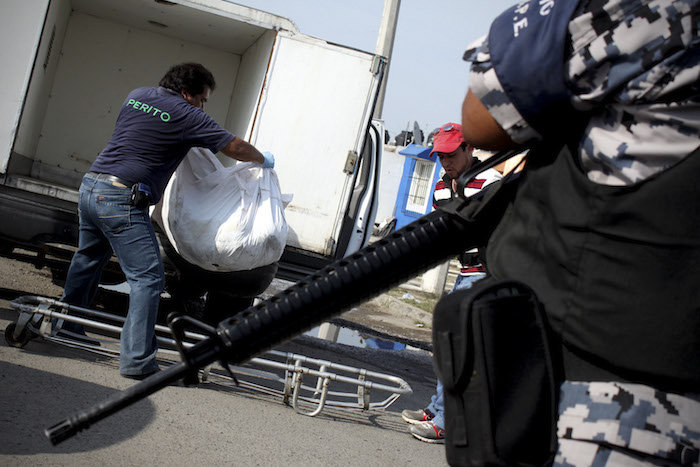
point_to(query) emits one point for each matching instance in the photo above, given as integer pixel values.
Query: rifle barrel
(342, 284)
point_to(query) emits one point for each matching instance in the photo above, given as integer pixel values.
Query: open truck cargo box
(70, 63)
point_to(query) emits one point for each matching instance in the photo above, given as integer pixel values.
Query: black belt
(113, 179)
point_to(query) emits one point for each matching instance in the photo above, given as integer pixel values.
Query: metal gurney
(283, 370)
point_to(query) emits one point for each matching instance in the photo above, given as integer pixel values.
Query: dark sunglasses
(446, 128)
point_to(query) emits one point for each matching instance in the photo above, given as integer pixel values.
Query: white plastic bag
(223, 218)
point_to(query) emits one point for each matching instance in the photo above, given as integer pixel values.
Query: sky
(427, 78)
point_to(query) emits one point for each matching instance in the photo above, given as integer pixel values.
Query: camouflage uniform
(627, 65)
(634, 65)
(630, 424)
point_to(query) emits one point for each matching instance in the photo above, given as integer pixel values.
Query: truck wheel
(24, 337)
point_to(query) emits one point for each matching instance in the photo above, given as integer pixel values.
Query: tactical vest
(616, 267)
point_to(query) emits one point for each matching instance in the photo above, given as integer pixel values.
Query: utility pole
(385, 45)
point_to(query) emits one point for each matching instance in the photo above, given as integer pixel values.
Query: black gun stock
(376, 268)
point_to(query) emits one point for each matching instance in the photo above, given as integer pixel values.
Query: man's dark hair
(189, 77)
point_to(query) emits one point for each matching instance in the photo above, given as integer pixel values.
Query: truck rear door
(314, 114)
(21, 26)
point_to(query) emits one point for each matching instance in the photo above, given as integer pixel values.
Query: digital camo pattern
(485, 85)
(626, 424)
(635, 65)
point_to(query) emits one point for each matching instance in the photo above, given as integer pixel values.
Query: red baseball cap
(447, 138)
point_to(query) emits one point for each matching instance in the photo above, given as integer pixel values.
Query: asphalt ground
(213, 423)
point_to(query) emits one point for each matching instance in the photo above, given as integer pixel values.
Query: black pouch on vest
(492, 354)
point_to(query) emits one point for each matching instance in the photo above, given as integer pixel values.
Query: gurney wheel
(24, 337)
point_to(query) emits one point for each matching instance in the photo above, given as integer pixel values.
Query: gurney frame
(41, 317)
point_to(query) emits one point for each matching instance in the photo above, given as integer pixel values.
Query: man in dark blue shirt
(155, 129)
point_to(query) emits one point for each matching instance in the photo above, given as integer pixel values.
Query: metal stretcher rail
(40, 316)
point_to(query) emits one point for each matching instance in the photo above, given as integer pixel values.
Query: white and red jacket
(444, 193)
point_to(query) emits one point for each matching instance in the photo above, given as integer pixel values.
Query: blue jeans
(108, 222)
(437, 402)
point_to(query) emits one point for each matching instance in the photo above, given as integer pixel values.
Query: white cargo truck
(68, 64)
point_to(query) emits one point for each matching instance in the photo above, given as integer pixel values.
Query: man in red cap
(456, 158)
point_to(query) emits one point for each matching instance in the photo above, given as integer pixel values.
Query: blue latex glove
(269, 160)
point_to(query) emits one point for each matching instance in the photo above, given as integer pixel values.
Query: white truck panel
(246, 93)
(313, 90)
(232, 11)
(213, 23)
(21, 24)
(101, 62)
(38, 93)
